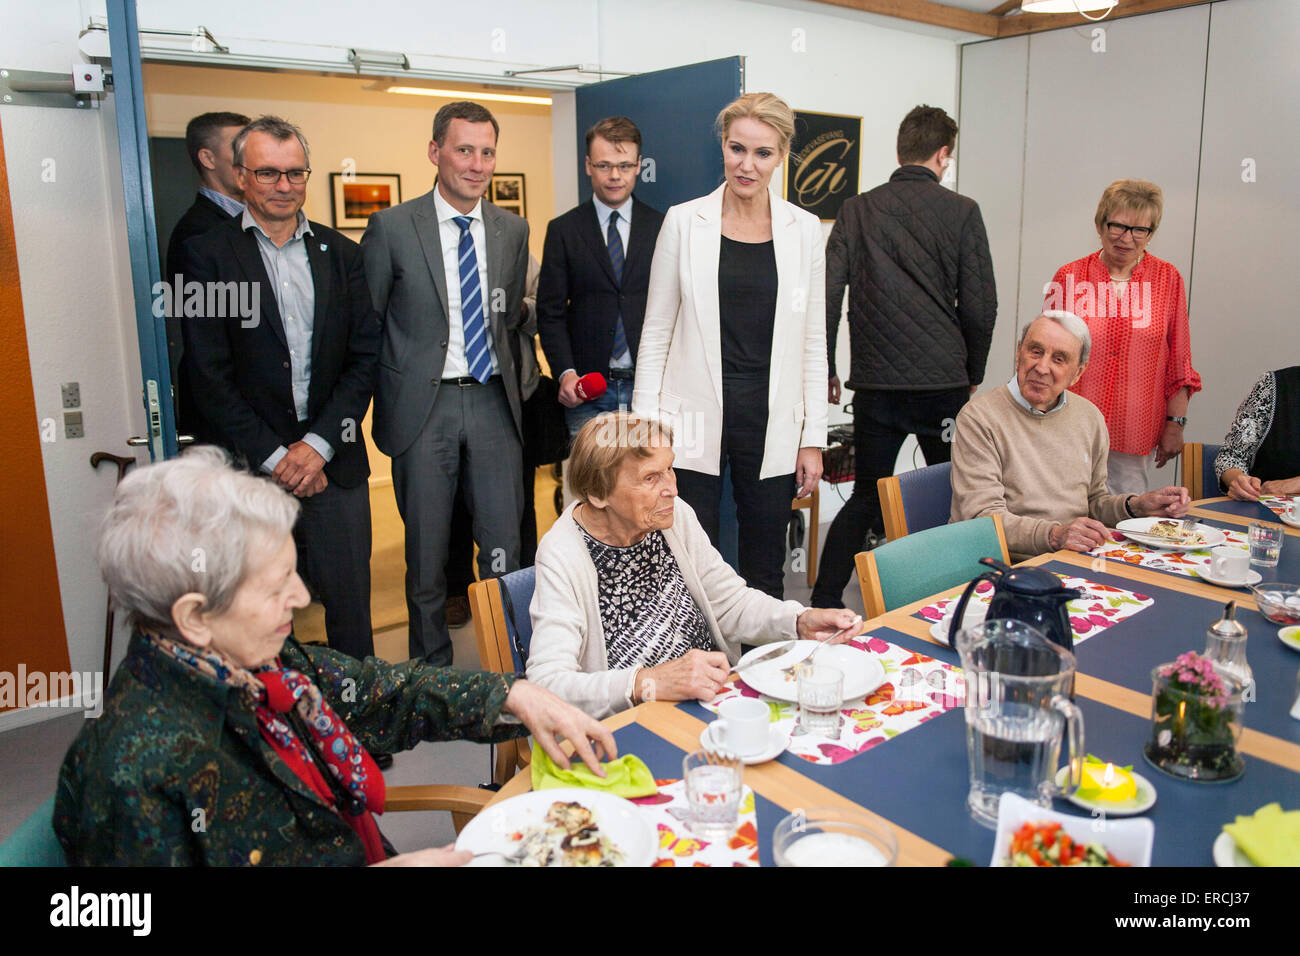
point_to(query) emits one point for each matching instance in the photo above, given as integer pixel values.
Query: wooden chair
(925, 562)
(34, 842)
(503, 647)
(916, 500)
(812, 502)
(1198, 470)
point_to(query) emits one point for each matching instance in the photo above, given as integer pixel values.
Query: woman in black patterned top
(1261, 454)
(632, 602)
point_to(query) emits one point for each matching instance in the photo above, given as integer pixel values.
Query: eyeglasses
(269, 177)
(1117, 229)
(625, 168)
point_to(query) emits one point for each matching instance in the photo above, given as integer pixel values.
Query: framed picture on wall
(508, 192)
(824, 158)
(355, 197)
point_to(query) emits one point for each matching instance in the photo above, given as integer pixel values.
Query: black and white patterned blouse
(648, 614)
(1263, 437)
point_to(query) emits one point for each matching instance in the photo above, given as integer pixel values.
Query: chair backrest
(916, 500)
(504, 628)
(34, 842)
(925, 562)
(1198, 469)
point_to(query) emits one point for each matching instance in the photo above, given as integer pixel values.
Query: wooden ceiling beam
(1002, 9)
(923, 11)
(1038, 22)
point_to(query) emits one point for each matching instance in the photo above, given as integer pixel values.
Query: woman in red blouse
(1140, 373)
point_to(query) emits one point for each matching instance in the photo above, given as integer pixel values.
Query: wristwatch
(1177, 419)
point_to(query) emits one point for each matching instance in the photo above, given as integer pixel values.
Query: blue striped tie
(614, 242)
(471, 305)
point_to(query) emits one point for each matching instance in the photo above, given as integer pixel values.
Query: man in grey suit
(447, 273)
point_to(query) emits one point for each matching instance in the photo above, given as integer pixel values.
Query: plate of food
(565, 826)
(777, 678)
(1168, 533)
(1029, 835)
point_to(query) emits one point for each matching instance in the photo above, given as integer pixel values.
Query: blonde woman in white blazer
(733, 349)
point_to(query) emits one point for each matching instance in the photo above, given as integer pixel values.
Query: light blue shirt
(624, 227)
(232, 206)
(295, 295)
(1014, 386)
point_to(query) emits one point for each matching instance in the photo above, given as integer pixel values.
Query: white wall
(1180, 98)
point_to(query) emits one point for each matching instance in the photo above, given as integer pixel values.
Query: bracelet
(1127, 508)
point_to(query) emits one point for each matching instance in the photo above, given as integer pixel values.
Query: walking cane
(122, 465)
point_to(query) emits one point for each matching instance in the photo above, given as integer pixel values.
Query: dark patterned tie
(614, 243)
(471, 305)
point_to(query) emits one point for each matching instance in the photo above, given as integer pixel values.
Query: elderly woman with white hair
(632, 602)
(1036, 454)
(223, 740)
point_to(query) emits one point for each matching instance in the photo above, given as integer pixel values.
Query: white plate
(777, 741)
(620, 820)
(976, 612)
(863, 673)
(1135, 527)
(1127, 840)
(1144, 801)
(1252, 578)
(1226, 853)
(1287, 519)
(1290, 636)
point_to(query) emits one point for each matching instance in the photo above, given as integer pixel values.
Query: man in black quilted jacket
(922, 303)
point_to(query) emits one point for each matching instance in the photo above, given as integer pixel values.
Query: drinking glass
(821, 692)
(713, 793)
(1265, 544)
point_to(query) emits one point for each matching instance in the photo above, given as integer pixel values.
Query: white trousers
(1127, 474)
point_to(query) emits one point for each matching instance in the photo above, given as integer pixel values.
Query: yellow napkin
(628, 776)
(1270, 838)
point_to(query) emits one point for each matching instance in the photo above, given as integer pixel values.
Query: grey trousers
(469, 438)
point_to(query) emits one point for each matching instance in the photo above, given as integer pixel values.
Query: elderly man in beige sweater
(1037, 455)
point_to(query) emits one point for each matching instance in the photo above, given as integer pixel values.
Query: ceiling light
(1065, 6)
(467, 94)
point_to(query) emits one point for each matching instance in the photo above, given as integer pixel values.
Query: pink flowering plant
(1195, 720)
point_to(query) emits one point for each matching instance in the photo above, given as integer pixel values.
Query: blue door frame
(142, 237)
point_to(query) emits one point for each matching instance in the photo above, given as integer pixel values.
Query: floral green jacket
(176, 772)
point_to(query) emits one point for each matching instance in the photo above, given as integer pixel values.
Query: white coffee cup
(1293, 509)
(743, 727)
(1230, 564)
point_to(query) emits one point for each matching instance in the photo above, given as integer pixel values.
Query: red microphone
(591, 386)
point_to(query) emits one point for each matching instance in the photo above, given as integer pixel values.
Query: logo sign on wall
(824, 158)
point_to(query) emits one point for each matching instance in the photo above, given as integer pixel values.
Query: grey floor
(30, 756)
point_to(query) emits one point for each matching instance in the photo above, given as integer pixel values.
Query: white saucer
(1225, 852)
(1252, 578)
(1287, 519)
(777, 741)
(1144, 801)
(1290, 636)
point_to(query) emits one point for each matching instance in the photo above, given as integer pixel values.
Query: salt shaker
(1225, 647)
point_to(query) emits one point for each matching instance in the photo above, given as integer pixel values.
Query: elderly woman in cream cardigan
(632, 602)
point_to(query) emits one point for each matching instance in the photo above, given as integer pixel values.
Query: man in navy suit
(591, 293)
(208, 139)
(281, 355)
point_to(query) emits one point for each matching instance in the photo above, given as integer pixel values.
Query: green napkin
(628, 776)
(1270, 838)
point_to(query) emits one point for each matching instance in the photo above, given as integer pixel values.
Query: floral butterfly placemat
(1100, 607)
(917, 688)
(1187, 563)
(669, 811)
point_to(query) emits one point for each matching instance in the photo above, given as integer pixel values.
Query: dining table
(909, 771)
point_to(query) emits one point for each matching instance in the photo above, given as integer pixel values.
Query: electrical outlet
(71, 394)
(72, 426)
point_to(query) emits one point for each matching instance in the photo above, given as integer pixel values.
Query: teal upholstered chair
(34, 843)
(926, 562)
(916, 500)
